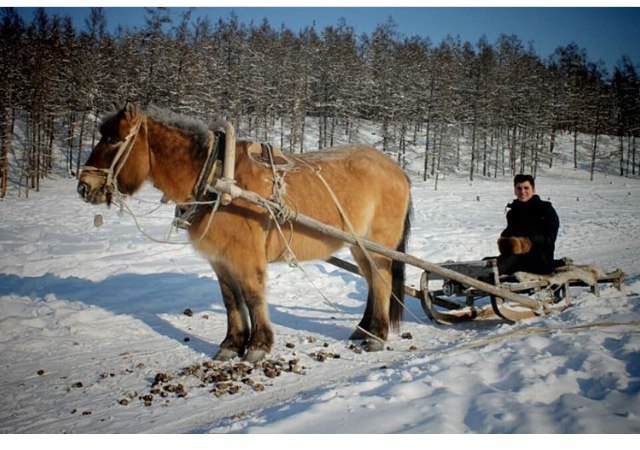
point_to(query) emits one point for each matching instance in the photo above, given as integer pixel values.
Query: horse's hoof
(225, 354)
(374, 345)
(358, 335)
(253, 356)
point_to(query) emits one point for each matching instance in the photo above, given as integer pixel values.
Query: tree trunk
(426, 149)
(48, 160)
(7, 123)
(332, 133)
(512, 151)
(473, 151)
(632, 145)
(70, 133)
(485, 161)
(437, 138)
(621, 155)
(497, 155)
(575, 148)
(593, 155)
(302, 128)
(282, 134)
(552, 145)
(523, 150)
(633, 166)
(83, 119)
(402, 151)
(458, 133)
(6, 142)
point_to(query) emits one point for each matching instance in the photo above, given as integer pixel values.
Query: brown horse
(353, 188)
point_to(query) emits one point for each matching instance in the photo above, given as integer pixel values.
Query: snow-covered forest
(504, 101)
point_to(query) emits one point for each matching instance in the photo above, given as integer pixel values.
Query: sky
(606, 33)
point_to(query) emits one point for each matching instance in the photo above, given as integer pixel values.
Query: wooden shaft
(252, 197)
(229, 164)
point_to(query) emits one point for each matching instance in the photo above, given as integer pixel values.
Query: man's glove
(514, 245)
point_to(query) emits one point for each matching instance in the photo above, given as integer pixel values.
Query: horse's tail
(396, 308)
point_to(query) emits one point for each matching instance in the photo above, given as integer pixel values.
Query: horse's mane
(194, 127)
(198, 129)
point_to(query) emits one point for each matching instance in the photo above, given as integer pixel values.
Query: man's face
(524, 191)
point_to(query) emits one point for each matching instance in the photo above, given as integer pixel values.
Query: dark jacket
(537, 220)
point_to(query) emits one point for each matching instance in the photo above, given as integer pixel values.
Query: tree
(626, 91)
(598, 109)
(11, 47)
(231, 42)
(571, 63)
(380, 87)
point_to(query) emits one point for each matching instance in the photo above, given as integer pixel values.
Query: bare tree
(11, 46)
(626, 92)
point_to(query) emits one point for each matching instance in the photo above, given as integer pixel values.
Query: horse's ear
(115, 106)
(130, 110)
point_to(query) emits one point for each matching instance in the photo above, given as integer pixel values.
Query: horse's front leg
(253, 291)
(238, 328)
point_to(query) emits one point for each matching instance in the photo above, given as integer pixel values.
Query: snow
(90, 315)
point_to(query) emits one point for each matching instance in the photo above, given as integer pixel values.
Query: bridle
(219, 164)
(124, 150)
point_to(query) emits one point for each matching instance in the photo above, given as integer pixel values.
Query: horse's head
(120, 160)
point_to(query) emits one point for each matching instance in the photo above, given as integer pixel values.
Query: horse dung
(98, 220)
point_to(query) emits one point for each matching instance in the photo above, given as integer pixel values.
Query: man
(528, 242)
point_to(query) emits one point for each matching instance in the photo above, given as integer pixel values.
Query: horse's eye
(112, 140)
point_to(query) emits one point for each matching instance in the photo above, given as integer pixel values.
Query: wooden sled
(455, 302)
(551, 291)
(526, 297)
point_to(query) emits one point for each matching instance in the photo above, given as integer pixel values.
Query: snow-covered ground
(91, 317)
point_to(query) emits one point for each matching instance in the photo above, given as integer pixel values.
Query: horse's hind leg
(374, 325)
(364, 327)
(238, 331)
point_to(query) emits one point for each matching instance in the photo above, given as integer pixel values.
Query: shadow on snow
(147, 296)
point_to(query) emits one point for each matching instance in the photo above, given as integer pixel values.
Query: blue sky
(606, 33)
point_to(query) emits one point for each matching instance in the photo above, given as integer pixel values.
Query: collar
(211, 169)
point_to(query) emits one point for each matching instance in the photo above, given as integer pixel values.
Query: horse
(354, 188)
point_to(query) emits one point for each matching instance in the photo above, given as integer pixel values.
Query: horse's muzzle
(83, 190)
(94, 195)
